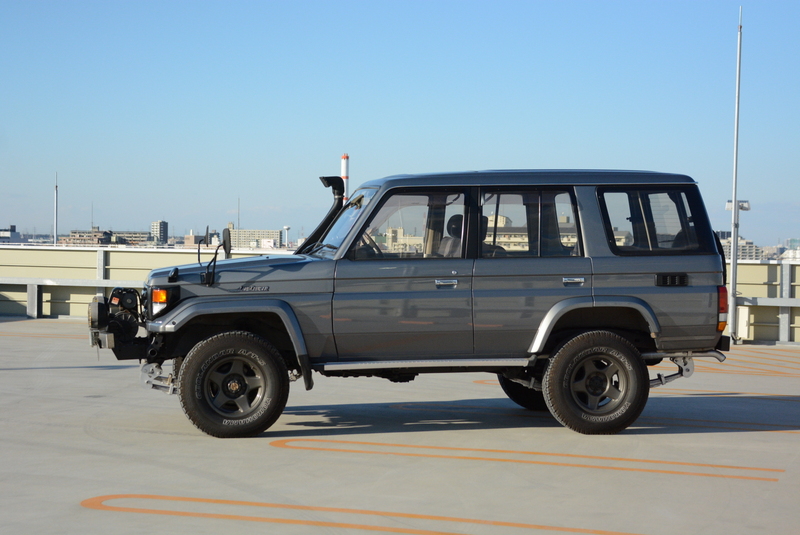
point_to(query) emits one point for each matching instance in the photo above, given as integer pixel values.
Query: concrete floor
(85, 449)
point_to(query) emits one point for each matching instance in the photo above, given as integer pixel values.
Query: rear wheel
(596, 383)
(531, 399)
(234, 384)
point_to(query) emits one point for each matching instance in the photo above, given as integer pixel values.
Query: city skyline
(176, 110)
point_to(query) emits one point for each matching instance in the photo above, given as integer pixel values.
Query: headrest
(454, 225)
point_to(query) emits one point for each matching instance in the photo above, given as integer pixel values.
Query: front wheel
(596, 383)
(234, 384)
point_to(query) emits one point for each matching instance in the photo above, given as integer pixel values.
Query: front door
(405, 288)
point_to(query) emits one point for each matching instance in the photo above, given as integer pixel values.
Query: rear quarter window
(655, 221)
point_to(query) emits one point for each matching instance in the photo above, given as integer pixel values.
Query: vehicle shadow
(405, 417)
(663, 415)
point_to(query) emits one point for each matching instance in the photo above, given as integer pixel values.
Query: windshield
(337, 232)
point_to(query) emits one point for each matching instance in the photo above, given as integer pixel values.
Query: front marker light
(158, 298)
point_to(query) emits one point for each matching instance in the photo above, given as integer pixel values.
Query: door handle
(573, 281)
(446, 283)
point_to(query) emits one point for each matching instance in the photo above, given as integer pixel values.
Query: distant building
(87, 237)
(723, 234)
(792, 243)
(105, 237)
(131, 237)
(250, 239)
(397, 241)
(772, 252)
(160, 232)
(10, 235)
(791, 254)
(192, 239)
(745, 249)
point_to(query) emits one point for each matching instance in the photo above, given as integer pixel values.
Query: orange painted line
(493, 382)
(754, 371)
(771, 351)
(98, 503)
(761, 359)
(284, 443)
(742, 366)
(760, 362)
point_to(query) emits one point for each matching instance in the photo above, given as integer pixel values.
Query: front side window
(528, 223)
(341, 226)
(414, 225)
(653, 221)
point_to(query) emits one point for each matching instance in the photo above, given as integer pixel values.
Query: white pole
(346, 175)
(735, 208)
(55, 215)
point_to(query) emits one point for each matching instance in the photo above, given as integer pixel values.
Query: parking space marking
(397, 450)
(99, 503)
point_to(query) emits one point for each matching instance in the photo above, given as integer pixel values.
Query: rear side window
(655, 221)
(525, 223)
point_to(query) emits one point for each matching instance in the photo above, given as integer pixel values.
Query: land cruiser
(565, 284)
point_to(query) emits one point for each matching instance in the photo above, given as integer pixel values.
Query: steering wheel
(369, 242)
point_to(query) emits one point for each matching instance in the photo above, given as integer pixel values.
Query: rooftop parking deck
(87, 450)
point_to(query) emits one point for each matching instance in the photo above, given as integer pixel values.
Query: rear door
(529, 259)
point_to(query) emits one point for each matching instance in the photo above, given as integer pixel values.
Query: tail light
(722, 318)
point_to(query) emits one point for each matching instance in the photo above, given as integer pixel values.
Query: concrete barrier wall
(769, 308)
(61, 281)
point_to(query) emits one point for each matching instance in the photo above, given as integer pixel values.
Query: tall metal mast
(732, 326)
(55, 215)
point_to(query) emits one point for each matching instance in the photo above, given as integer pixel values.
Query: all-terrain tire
(596, 383)
(233, 384)
(525, 397)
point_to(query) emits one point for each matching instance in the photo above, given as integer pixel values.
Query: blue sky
(180, 110)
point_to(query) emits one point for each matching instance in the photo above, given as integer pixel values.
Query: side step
(434, 363)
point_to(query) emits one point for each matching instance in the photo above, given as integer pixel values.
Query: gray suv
(565, 284)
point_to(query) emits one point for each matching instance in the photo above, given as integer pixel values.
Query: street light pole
(732, 326)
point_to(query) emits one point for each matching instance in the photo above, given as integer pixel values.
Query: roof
(531, 176)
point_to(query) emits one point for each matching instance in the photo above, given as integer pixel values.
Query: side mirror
(226, 242)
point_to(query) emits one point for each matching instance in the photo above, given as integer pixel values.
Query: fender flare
(561, 308)
(180, 316)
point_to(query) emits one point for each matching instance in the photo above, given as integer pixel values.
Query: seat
(450, 246)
